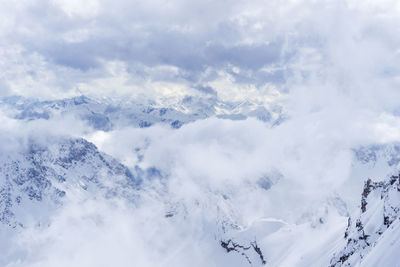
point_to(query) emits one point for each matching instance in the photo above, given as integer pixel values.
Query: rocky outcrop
(245, 250)
(379, 209)
(41, 175)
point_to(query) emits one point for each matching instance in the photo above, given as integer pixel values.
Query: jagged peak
(379, 208)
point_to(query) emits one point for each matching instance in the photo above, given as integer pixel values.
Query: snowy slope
(318, 240)
(372, 230)
(386, 251)
(219, 224)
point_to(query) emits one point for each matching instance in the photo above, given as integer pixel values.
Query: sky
(237, 50)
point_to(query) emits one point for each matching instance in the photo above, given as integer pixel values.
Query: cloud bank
(238, 49)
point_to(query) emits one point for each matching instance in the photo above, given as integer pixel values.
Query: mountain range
(355, 225)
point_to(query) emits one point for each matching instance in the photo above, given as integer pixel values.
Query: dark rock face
(230, 245)
(176, 124)
(380, 207)
(44, 175)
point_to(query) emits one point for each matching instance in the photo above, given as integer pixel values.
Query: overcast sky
(233, 49)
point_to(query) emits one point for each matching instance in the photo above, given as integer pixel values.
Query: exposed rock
(229, 245)
(380, 207)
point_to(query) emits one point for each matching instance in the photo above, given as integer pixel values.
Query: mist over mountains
(222, 191)
(202, 133)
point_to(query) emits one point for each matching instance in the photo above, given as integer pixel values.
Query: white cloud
(67, 45)
(338, 79)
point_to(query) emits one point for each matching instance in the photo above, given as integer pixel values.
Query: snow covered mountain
(372, 236)
(36, 180)
(107, 114)
(181, 133)
(169, 205)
